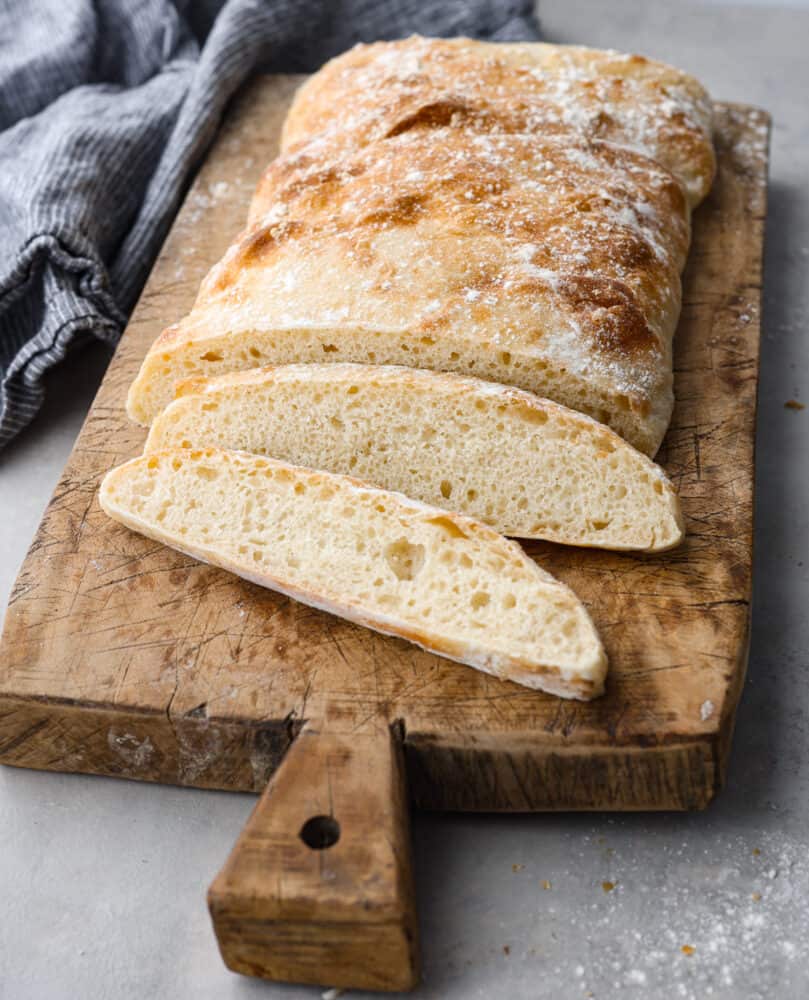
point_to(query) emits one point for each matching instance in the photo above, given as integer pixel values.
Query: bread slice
(552, 266)
(445, 582)
(373, 92)
(521, 464)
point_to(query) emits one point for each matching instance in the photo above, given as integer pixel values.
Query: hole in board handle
(320, 832)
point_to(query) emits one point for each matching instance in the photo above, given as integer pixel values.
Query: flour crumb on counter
(331, 994)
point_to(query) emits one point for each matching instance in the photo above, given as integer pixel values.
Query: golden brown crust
(573, 217)
(377, 91)
(558, 260)
(425, 229)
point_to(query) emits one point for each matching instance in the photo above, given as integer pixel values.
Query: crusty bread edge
(536, 49)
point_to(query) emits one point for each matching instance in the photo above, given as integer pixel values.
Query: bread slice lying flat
(445, 582)
(526, 466)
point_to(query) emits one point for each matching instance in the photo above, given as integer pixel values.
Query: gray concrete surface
(102, 882)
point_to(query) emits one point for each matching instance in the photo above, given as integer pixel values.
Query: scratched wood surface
(122, 657)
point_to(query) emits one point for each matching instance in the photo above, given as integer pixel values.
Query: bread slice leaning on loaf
(526, 466)
(445, 582)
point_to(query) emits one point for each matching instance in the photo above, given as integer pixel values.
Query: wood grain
(123, 657)
(340, 915)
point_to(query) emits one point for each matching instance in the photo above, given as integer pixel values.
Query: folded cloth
(106, 109)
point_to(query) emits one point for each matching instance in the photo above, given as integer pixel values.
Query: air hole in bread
(404, 558)
(509, 601)
(353, 390)
(210, 407)
(447, 525)
(599, 525)
(329, 348)
(255, 352)
(531, 416)
(300, 488)
(211, 356)
(446, 489)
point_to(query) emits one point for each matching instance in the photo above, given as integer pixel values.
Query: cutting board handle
(318, 888)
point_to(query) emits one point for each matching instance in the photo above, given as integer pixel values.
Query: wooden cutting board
(124, 658)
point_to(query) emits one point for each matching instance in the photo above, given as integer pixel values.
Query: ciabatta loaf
(377, 91)
(445, 582)
(523, 465)
(552, 266)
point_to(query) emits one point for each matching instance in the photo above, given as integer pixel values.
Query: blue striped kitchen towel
(106, 109)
